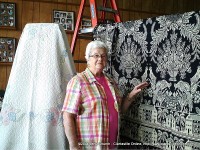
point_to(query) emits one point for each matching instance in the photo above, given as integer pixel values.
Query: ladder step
(101, 8)
(86, 30)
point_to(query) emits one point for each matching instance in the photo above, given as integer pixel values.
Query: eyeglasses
(96, 56)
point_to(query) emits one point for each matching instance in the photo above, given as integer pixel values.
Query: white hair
(93, 45)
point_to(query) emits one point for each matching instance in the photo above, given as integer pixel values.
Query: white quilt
(31, 113)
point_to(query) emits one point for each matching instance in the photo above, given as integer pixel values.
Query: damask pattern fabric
(165, 51)
(31, 118)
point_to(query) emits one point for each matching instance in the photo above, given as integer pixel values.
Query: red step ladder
(94, 17)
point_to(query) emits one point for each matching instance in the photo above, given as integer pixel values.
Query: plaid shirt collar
(91, 77)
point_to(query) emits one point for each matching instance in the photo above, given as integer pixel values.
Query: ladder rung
(101, 8)
(86, 30)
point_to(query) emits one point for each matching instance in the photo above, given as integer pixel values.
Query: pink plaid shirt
(86, 98)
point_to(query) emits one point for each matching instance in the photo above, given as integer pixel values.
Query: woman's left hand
(130, 98)
(137, 89)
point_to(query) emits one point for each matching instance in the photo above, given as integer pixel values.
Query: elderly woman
(93, 103)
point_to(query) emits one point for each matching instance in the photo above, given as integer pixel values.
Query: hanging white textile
(31, 118)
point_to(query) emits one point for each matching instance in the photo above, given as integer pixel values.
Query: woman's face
(97, 60)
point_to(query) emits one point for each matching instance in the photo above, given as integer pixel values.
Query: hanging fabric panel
(31, 117)
(165, 51)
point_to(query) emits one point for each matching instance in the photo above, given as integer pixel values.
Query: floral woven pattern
(165, 51)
